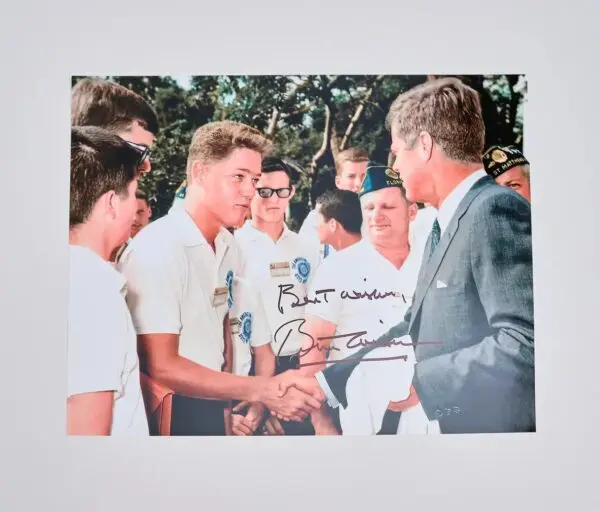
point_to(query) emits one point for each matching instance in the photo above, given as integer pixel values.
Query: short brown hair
(100, 162)
(140, 194)
(343, 206)
(216, 141)
(355, 154)
(98, 102)
(448, 110)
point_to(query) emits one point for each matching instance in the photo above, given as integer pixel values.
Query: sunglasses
(266, 192)
(142, 150)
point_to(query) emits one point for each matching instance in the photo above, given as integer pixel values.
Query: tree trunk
(273, 123)
(329, 128)
(334, 142)
(326, 140)
(513, 105)
(359, 111)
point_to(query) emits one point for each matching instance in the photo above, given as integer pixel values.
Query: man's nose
(146, 166)
(248, 189)
(377, 214)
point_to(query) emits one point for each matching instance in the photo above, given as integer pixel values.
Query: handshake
(290, 396)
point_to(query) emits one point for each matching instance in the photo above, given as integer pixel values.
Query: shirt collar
(188, 231)
(95, 267)
(450, 205)
(190, 234)
(253, 234)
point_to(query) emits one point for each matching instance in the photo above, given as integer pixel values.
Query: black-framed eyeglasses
(266, 192)
(143, 150)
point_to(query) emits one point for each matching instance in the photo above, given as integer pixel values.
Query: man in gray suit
(471, 319)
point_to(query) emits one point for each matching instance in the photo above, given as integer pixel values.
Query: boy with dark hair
(104, 394)
(339, 218)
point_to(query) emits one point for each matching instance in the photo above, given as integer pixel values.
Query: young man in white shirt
(279, 264)
(143, 212)
(104, 394)
(370, 285)
(180, 273)
(351, 166)
(339, 218)
(140, 220)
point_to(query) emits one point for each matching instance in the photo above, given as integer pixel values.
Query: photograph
(299, 255)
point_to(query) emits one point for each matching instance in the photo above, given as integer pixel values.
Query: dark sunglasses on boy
(142, 150)
(266, 192)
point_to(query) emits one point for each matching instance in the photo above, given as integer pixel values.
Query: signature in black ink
(285, 289)
(373, 295)
(355, 341)
(314, 345)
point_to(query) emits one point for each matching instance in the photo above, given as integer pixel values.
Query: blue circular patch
(301, 269)
(229, 284)
(246, 327)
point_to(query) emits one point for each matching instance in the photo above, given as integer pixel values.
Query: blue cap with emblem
(378, 177)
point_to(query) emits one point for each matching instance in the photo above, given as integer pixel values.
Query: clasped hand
(292, 396)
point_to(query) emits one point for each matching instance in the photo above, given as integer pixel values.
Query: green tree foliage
(310, 118)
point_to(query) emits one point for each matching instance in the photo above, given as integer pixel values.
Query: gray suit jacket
(474, 337)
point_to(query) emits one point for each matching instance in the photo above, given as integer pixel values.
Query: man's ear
(413, 209)
(337, 181)
(108, 203)
(425, 145)
(198, 171)
(293, 192)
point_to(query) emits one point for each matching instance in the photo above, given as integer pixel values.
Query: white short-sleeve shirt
(248, 325)
(308, 231)
(102, 350)
(282, 273)
(178, 285)
(367, 294)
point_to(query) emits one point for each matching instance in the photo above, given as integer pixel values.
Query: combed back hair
(354, 154)
(98, 102)
(274, 164)
(216, 141)
(140, 194)
(100, 162)
(343, 206)
(448, 110)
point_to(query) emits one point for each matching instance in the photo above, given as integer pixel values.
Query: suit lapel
(429, 268)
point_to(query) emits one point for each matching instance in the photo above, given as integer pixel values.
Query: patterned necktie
(435, 236)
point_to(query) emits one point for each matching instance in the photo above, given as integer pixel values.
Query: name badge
(219, 296)
(234, 325)
(280, 269)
